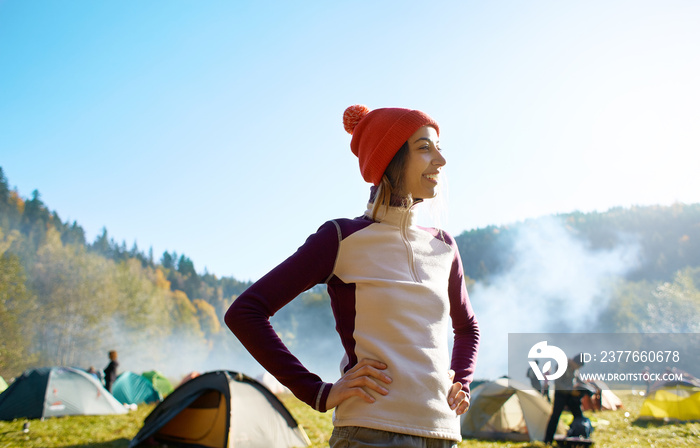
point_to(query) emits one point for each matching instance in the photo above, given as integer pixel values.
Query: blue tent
(130, 388)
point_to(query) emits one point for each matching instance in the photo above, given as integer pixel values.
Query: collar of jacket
(399, 213)
(402, 216)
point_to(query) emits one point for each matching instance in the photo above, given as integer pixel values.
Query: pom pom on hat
(353, 115)
(378, 135)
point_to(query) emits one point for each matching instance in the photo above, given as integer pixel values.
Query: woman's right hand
(368, 373)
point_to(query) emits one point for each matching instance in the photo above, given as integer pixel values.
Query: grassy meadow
(613, 429)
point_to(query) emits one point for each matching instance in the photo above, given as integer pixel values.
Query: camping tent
(507, 409)
(130, 388)
(3, 384)
(603, 399)
(56, 391)
(222, 409)
(674, 400)
(159, 381)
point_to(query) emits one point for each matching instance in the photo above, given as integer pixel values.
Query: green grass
(103, 431)
(613, 430)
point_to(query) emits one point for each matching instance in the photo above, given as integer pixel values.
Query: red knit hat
(378, 135)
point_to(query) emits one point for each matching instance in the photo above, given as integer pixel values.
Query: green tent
(221, 409)
(3, 384)
(54, 392)
(159, 381)
(130, 388)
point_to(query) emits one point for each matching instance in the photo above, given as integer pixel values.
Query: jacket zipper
(409, 248)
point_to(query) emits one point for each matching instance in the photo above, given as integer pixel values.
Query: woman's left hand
(456, 397)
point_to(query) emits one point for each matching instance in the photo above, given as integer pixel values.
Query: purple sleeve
(249, 315)
(466, 327)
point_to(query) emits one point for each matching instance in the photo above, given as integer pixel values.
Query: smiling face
(423, 164)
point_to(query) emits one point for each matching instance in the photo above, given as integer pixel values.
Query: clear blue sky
(213, 128)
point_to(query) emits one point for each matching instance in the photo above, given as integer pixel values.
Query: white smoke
(556, 284)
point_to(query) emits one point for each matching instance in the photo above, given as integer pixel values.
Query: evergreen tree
(102, 244)
(167, 261)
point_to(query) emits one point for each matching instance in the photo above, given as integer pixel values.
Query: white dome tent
(505, 409)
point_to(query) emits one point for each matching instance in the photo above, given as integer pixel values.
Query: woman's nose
(439, 159)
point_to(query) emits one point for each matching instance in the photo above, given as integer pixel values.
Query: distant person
(395, 290)
(110, 372)
(565, 395)
(92, 371)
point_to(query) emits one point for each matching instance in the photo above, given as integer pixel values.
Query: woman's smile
(432, 177)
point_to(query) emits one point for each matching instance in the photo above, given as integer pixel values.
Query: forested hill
(668, 239)
(66, 301)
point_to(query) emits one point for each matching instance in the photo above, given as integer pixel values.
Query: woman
(394, 287)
